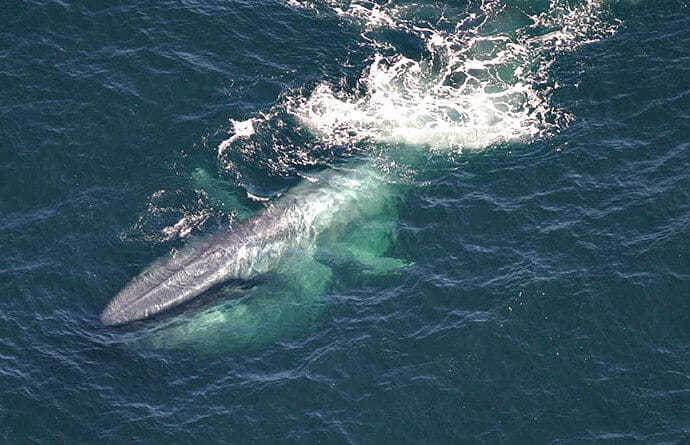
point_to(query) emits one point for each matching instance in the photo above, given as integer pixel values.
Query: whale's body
(253, 247)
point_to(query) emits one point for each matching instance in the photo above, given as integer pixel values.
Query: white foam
(471, 88)
(240, 129)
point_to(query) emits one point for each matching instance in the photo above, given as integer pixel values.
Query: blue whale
(296, 223)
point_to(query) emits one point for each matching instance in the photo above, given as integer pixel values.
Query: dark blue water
(541, 152)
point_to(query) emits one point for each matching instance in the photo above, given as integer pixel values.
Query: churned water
(509, 261)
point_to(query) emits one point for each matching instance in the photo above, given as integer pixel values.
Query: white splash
(240, 129)
(481, 82)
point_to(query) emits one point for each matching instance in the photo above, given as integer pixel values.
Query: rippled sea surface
(539, 157)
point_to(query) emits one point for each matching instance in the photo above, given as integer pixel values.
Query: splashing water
(481, 80)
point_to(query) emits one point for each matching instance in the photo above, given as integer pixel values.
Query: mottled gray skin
(254, 247)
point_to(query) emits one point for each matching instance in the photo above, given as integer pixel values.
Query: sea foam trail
(482, 77)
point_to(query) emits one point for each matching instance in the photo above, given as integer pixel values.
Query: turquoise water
(538, 158)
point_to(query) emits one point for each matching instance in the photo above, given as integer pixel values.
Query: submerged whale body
(252, 248)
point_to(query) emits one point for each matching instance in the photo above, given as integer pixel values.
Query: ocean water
(537, 158)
